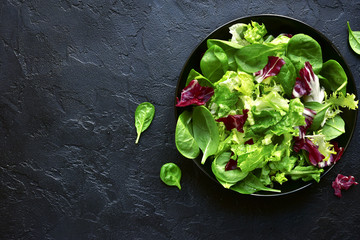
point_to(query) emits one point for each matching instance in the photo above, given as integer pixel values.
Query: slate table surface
(71, 75)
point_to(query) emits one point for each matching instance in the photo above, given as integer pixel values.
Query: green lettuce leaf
(251, 184)
(306, 173)
(255, 32)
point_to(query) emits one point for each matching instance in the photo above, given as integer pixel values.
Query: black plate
(276, 25)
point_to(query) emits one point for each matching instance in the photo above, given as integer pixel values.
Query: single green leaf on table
(333, 128)
(144, 115)
(333, 77)
(206, 132)
(303, 48)
(214, 63)
(354, 39)
(170, 174)
(184, 138)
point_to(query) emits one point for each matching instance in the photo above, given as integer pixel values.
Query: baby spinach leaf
(184, 139)
(333, 128)
(203, 81)
(334, 76)
(287, 76)
(320, 110)
(206, 132)
(226, 178)
(144, 115)
(250, 185)
(214, 63)
(170, 174)
(254, 57)
(354, 39)
(303, 48)
(230, 49)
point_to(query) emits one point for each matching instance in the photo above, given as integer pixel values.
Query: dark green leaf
(334, 77)
(203, 81)
(229, 48)
(333, 128)
(214, 63)
(250, 185)
(184, 139)
(320, 110)
(206, 132)
(254, 57)
(287, 76)
(226, 178)
(303, 48)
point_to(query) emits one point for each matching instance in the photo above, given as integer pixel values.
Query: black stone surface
(71, 75)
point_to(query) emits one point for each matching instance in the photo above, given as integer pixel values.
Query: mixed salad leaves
(263, 109)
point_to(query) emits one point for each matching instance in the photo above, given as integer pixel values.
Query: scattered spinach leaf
(354, 39)
(170, 174)
(144, 115)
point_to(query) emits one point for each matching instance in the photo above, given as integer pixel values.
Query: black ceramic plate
(276, 25)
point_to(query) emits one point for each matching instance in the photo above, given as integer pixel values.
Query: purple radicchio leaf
(309, 115)
(287, 35)
(334, 158)
(194, 93)
(308, 85)
(342, 183)
(231, 165)
(306, 144)
(272, 68)
(250, 141)
(235, 121)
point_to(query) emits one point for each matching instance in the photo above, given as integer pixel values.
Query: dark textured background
(71, 75)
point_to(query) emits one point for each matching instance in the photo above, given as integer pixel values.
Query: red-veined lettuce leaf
(308, 85)
(194, 93)
(231, 165)
(235, 121)
(342, 183)
(306, 144)
(309, 117)
(334, 158)
(272, 68)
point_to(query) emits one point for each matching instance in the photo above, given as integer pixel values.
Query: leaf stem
(137, 139)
